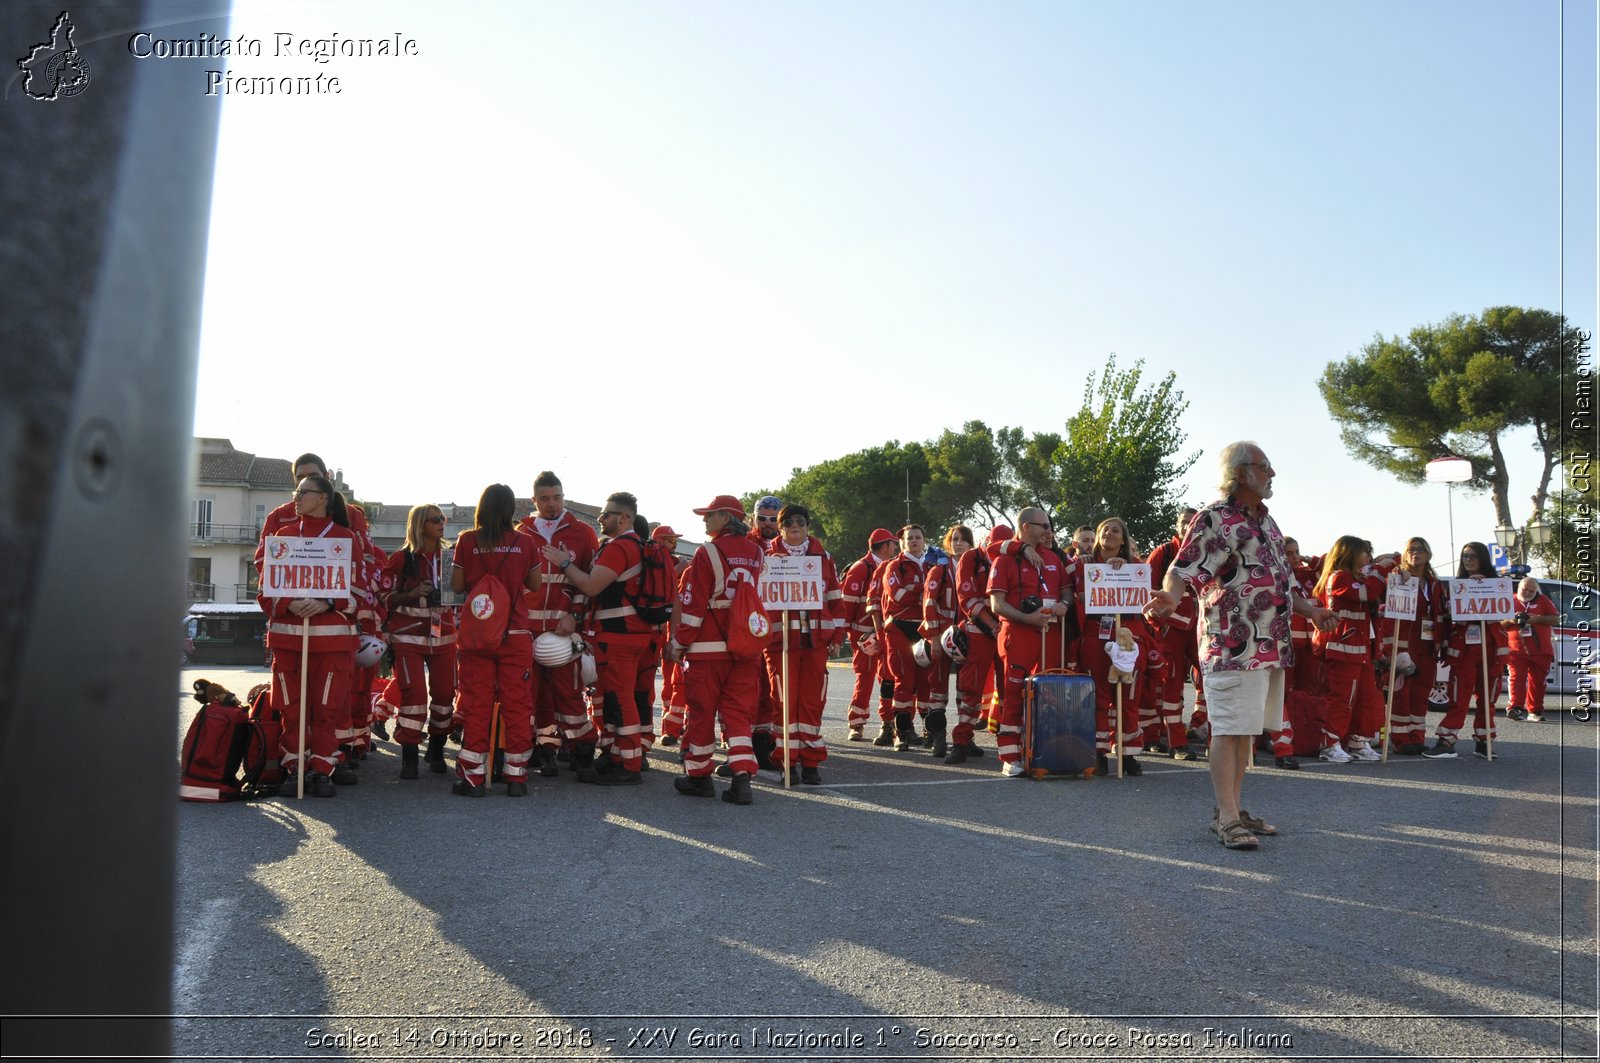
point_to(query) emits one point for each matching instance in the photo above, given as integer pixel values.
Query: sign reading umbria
(792, 583)
(305, 568)
(1482, 599)
(1116, 590)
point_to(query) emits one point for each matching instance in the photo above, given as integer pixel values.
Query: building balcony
(200, 592)
(206, 532)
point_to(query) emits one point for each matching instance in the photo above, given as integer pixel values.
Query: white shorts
(1245, 703)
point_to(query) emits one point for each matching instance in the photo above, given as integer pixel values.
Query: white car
(1575, 647)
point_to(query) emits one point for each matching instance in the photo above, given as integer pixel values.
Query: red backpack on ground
(270, 720)
(224, 752)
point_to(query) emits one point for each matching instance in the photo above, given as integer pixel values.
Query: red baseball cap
(1000, 533)
(726, 503)
(663, 532)
(880, 536)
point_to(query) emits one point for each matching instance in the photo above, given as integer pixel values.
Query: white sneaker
(1335, 755)
(1365, 754)
(1011, 768)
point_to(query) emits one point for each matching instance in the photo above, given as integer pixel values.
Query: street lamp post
(1449, 471)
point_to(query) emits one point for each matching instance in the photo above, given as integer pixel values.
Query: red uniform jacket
(410, 621)
(814, 628)
(555, 597)
(703, 619)
(855, 590)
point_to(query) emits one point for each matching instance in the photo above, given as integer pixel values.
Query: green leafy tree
(851, 495)
(1458, 387)
(968, 478)
(1119, 455)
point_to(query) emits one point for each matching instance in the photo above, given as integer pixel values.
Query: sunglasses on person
(796, 522)
(435, 520)
(766, 520)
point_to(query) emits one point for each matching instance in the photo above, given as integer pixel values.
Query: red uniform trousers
(355, 730)
(727, 685)
(503, 675)
(1528, 672)
(1161, 714)
(1025, 653)
(911, 687)
(328, 677)
(1355, 708)
(806, 696)
(766, 719)
(427, 680)
(1466, 674)
(871, 673)
(561, 712)
(672, 703)
(973, 682)
(627, 665)
(1408, 718)
(938, 682)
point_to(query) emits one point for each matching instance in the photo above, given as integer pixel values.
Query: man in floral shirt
(1233, 557)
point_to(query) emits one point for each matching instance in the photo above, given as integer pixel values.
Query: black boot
(885, 734)
(763, 744)
(1130, 766)
(408, 761)
(583, 761)
(905, 732)
(548, 768)
(739, 792)
(938, 747)
(435, 756)
(695, 786)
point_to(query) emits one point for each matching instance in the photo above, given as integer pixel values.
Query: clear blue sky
(681, 249)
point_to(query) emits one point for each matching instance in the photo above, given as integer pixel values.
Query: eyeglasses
(613, 513)
(796, 522)
(766, 520)
(1267, 465)
(435, 520)
(308, 491)
(1036, 524)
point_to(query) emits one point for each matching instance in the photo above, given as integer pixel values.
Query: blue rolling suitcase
(1058, 725)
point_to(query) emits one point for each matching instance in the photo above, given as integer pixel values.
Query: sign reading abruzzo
(305, 568)
(1115, 590)
(1400, 599)
(792, 583)
(1481, 599)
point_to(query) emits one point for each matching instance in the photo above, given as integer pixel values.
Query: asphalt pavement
(905, 909)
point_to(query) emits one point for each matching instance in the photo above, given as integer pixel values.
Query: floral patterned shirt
(1238, 569)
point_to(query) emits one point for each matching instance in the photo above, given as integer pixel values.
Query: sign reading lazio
(1116, 590)
(1400, 603)
(1482, 599)
(792, 583)
(305, 568)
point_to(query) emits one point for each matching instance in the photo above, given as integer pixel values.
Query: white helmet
(552, 651)
(369, 651)
(954, 644)
(1404, 665)
(868, 644)
(591, 673)
(921, 653)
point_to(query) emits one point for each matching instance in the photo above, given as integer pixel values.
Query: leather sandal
(1256, 826)
(1235, 835)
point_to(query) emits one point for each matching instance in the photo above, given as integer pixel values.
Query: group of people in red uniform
(987, 613)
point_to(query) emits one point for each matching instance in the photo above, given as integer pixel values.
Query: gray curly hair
(1234, 456)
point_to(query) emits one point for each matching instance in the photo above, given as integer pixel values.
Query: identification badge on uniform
(435, 626)
(1427, 631)
(1108, 626)
(1474, 635)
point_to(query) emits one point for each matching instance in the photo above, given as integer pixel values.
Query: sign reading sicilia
(305, 568)
(792, 583)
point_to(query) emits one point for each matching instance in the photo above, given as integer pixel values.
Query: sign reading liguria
(1116, 590)
(792, 583)
(305, 568)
